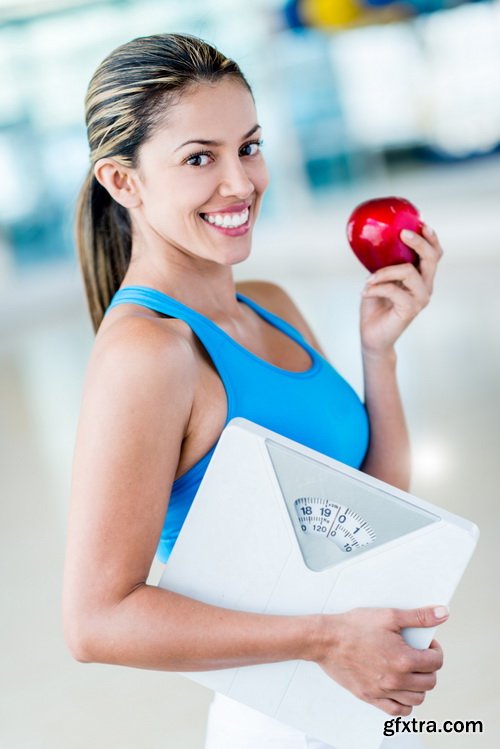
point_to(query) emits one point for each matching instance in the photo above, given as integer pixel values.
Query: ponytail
(104, 243)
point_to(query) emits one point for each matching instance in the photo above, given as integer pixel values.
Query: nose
(234, 181)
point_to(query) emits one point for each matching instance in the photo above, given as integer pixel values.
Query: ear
(119, 181)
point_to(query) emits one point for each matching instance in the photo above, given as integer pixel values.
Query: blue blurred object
(312, 97)
(382, 3)
(291, 13)
(42, 238)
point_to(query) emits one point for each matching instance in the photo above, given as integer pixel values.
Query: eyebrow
(204, 142)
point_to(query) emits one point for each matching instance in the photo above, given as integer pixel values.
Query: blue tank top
(315, 407)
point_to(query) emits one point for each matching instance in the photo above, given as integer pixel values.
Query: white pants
(232, 725)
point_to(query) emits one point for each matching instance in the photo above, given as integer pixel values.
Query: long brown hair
(126, 99)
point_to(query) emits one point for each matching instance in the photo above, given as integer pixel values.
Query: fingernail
(407, 234)
(440, 612)
(430, 231)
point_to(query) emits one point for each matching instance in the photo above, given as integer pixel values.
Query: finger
(409, 682)
(408, 698)
(400, 272)
(405, 274)
(436, 647)
(421, 682)
(428, 250)
(427, 662)
(419, 662)
(392, 707)
(426, 616)
(426, 244)
(431, 236)
(401, 299)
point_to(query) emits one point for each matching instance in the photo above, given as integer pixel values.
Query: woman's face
(202, 175)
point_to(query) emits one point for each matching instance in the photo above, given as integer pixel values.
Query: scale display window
(334, 517)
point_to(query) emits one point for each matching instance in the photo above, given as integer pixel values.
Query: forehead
(212, 111)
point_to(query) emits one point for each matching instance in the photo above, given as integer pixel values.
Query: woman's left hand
(394, 295)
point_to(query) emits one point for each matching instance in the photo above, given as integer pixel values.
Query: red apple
(373, 232)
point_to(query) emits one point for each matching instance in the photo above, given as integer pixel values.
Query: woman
(169, 205)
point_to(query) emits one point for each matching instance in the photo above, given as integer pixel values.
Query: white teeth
(227, 220)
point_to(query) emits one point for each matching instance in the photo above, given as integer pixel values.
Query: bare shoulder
(132, 351)
(274, 298)
(145, 336)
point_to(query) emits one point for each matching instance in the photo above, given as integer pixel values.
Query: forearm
(388, 456)
(362, 650)
(157, 629)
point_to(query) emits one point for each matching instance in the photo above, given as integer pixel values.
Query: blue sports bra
(316, 407)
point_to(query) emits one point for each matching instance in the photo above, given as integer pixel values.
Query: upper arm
(135, 409)
(274, 298)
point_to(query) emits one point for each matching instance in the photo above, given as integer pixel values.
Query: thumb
(429, 616)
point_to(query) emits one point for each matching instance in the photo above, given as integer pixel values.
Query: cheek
(264, 177)
(176, 202)
(190, 192)
(261, 179)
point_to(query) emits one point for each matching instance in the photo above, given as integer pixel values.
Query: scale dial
(336, 522)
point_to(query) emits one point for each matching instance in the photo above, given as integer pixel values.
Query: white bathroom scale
(278, 528)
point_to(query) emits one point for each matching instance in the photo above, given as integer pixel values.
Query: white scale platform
(278, 528)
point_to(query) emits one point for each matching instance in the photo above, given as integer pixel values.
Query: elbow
(79, 640)
(83, 633)
(80, 653)
(87, 623)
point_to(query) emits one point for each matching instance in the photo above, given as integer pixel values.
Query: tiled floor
(450, 375)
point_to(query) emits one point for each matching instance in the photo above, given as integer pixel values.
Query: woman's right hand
(364, 651)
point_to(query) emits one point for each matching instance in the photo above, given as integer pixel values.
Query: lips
(235, 208)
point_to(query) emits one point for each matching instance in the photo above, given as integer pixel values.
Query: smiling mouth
(227, 220)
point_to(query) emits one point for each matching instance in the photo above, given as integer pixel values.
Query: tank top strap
(211, 336)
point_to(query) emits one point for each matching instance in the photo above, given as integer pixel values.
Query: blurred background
(356, 99)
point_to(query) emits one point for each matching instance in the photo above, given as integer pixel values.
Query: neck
(201, 284)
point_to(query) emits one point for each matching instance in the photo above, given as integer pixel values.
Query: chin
(234, 254)
(242, 255)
